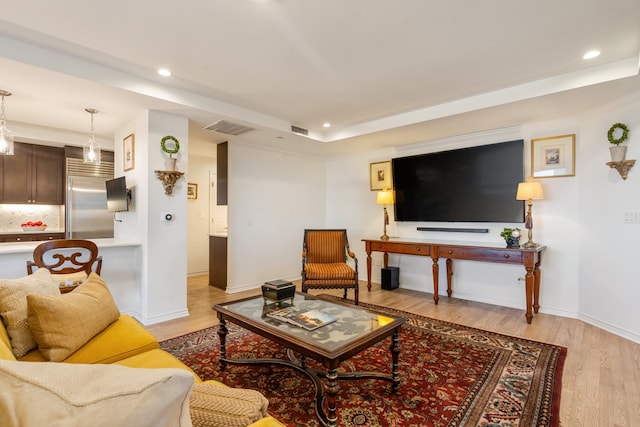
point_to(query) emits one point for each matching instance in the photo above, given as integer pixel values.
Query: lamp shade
(385, 197)
(529, 190)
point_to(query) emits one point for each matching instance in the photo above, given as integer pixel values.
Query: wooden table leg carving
(436, 271)
(222, 333)
(449, 276)
(332, 391)
(395, 356)
(369, 270)
(536, 286)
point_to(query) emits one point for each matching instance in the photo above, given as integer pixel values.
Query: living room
(276, 190)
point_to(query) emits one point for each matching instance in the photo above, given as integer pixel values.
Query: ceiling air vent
(229, 128)
(299, 130)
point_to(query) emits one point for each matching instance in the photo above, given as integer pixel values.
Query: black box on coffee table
(278, 291)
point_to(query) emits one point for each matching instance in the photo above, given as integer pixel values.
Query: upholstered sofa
(79, 357)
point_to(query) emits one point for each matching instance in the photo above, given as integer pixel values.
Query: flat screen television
(476, 184)
(117, 195)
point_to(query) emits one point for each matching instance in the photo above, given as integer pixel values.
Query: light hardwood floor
(601, 381)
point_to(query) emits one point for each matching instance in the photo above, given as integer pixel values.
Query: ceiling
(381, 72)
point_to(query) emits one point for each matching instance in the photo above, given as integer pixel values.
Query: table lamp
(385, 197)
(529, 190)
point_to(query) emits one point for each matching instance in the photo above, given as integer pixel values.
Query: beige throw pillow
(13, 307)
(70, 395)
(63, 323)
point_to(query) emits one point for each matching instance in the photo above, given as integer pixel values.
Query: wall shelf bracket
(623, 167)
(169, 179)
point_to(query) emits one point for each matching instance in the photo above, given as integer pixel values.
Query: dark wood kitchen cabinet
(33, 175)
(222, 164)
(218, 262)
(30, 237)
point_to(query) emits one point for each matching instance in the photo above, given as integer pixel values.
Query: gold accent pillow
(13, 307)
(63, 323)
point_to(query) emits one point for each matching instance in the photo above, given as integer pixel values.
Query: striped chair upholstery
(324, 262)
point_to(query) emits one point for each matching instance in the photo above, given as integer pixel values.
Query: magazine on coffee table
(309, 319)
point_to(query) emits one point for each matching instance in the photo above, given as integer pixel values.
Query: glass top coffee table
(353, 330)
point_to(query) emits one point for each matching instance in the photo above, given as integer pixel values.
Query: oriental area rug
(451, 375)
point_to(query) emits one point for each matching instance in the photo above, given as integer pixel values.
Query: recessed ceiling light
(164, 72)
(326, 125)
(591, 54)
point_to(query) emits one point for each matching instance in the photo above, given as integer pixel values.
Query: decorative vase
(618, 152)
(170, 164)
(513, 242)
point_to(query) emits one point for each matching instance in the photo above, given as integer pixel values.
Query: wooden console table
(530, 258)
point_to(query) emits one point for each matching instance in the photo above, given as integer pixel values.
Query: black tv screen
(117, 200)
(476, 184)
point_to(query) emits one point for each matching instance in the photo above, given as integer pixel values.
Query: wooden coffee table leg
(222, 333)
(332, 391)
(395, 355)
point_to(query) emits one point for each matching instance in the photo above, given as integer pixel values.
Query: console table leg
(449, 276)
(369, 271)
(529, 279)
(222, 333)
(436, 270)
(536, 288)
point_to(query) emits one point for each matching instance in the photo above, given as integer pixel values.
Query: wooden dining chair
(66, 259)
(324, 261)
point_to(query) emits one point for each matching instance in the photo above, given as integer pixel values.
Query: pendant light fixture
(90, 149)
(6, 136)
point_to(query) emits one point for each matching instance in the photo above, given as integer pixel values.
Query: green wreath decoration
(623, 137)
(169, 151)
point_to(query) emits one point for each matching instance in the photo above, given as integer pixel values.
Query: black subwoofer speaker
(390, 278)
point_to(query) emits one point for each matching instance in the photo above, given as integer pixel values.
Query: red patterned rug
(452, 375)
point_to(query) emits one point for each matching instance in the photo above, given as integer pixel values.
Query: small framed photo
(128, 150)
(554, 156)
(192, 191)
(380, 176)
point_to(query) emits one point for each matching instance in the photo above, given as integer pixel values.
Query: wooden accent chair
(66, 258)
(324, 261)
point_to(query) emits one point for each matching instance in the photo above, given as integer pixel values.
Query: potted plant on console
(511, 236)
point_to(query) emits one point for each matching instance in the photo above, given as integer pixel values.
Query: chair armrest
(98, 263)
(30, 265)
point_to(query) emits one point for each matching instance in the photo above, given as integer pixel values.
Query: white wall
(608, 249)
(587, 270)
(163, 276)
(199, 215)
(273, 196)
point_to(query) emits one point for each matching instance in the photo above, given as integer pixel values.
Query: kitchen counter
(47, 230)
(15, 248)
(218, 234)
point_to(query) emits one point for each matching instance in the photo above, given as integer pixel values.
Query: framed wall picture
(128, 150)
(380, 176)
(553, 157)
(192, 191)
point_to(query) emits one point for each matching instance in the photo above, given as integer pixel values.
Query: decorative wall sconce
(169, 179)
(623, 167)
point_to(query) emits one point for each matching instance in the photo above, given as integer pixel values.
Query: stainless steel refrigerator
(86, 208)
